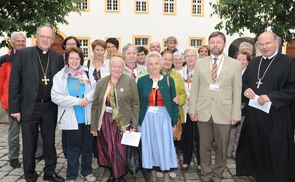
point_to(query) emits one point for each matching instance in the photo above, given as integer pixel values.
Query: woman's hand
(176, 100)
(83, 102)
(94, 133)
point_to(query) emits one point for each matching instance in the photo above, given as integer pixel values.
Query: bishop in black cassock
(266, 147)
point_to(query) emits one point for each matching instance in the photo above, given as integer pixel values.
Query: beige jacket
(223, 105)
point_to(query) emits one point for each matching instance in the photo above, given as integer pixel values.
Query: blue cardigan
(145, 84)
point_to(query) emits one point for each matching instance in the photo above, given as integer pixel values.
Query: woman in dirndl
(115, 106)
(158, 114)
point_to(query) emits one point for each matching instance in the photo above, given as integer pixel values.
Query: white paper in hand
(254, 103)
(131, 138)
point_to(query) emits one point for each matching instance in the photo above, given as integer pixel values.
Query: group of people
(204, 92)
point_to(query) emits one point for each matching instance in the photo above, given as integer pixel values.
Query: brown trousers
(217, 134)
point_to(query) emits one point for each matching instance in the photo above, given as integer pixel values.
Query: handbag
(133, 157)
(177, 130)
(132, 160)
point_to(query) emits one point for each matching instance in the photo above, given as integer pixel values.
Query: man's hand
(262, 99)
(193, 117)
(234, 122)
(16, 116)
(249, 93)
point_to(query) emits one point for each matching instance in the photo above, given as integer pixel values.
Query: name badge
(214, 87)
(153, 109)
(109, 109)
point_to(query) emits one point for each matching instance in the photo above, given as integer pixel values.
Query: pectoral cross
(259, 83)
(45, 80)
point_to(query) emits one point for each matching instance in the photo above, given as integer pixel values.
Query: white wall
(97, 24)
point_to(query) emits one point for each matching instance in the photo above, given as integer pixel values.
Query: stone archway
(234, 46)
(291, 49)
(57, 45)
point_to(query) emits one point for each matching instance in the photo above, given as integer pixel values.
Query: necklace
(45, 79)
(259, 82)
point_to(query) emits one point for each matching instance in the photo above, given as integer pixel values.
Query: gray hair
(117, 57)
(190, 49)
(172, 39)
(245, 44)
(177, 54)
(15, 34)
(47, 25)
(127, 46)
(153, 54)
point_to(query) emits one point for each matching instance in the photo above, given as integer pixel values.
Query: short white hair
(127, 46)
(191, 49)
(153, 54)
(177, 54)
(117, 57)
(14, 35)
(245, 44)
(47, 25)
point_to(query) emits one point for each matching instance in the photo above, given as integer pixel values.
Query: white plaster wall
(97, 24)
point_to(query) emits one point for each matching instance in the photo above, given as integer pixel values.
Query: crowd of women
(139, 90)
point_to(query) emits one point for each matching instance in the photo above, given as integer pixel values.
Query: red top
(4, 83)
(155, 98)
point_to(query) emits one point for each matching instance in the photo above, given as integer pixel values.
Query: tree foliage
(257, 16)
(27, 15)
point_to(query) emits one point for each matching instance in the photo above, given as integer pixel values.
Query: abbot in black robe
(266, 147)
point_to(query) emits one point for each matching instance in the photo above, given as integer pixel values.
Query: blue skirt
(157, 140)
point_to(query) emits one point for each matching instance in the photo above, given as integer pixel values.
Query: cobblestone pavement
(8, 174)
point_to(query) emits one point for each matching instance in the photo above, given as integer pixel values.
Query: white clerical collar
(43, 51)
(270, 57)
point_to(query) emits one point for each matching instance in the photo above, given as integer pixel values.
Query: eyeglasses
(71, 44)
(44, 37)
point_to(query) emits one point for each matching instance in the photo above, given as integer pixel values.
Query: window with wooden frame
(141, 40)
(196, 41)
(84, 5)
(169, 7)
(85, 45)
(141, 6)
(112, 6)
(197, 7)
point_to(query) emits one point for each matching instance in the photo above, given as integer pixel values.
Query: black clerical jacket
(24, 80)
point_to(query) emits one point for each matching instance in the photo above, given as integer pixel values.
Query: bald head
(268, 44)
(155, 46)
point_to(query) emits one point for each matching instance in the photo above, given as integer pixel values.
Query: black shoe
(110, 179)
(40, 158)
(14, 163)
(53, 177)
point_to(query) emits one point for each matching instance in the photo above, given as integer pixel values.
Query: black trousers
(44, 116)
(190, 135)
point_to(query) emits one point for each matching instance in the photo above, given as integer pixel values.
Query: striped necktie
(214, 69)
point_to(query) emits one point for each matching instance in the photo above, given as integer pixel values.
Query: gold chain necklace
(45, 79)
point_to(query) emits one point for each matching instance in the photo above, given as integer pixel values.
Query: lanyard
(75, 87)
